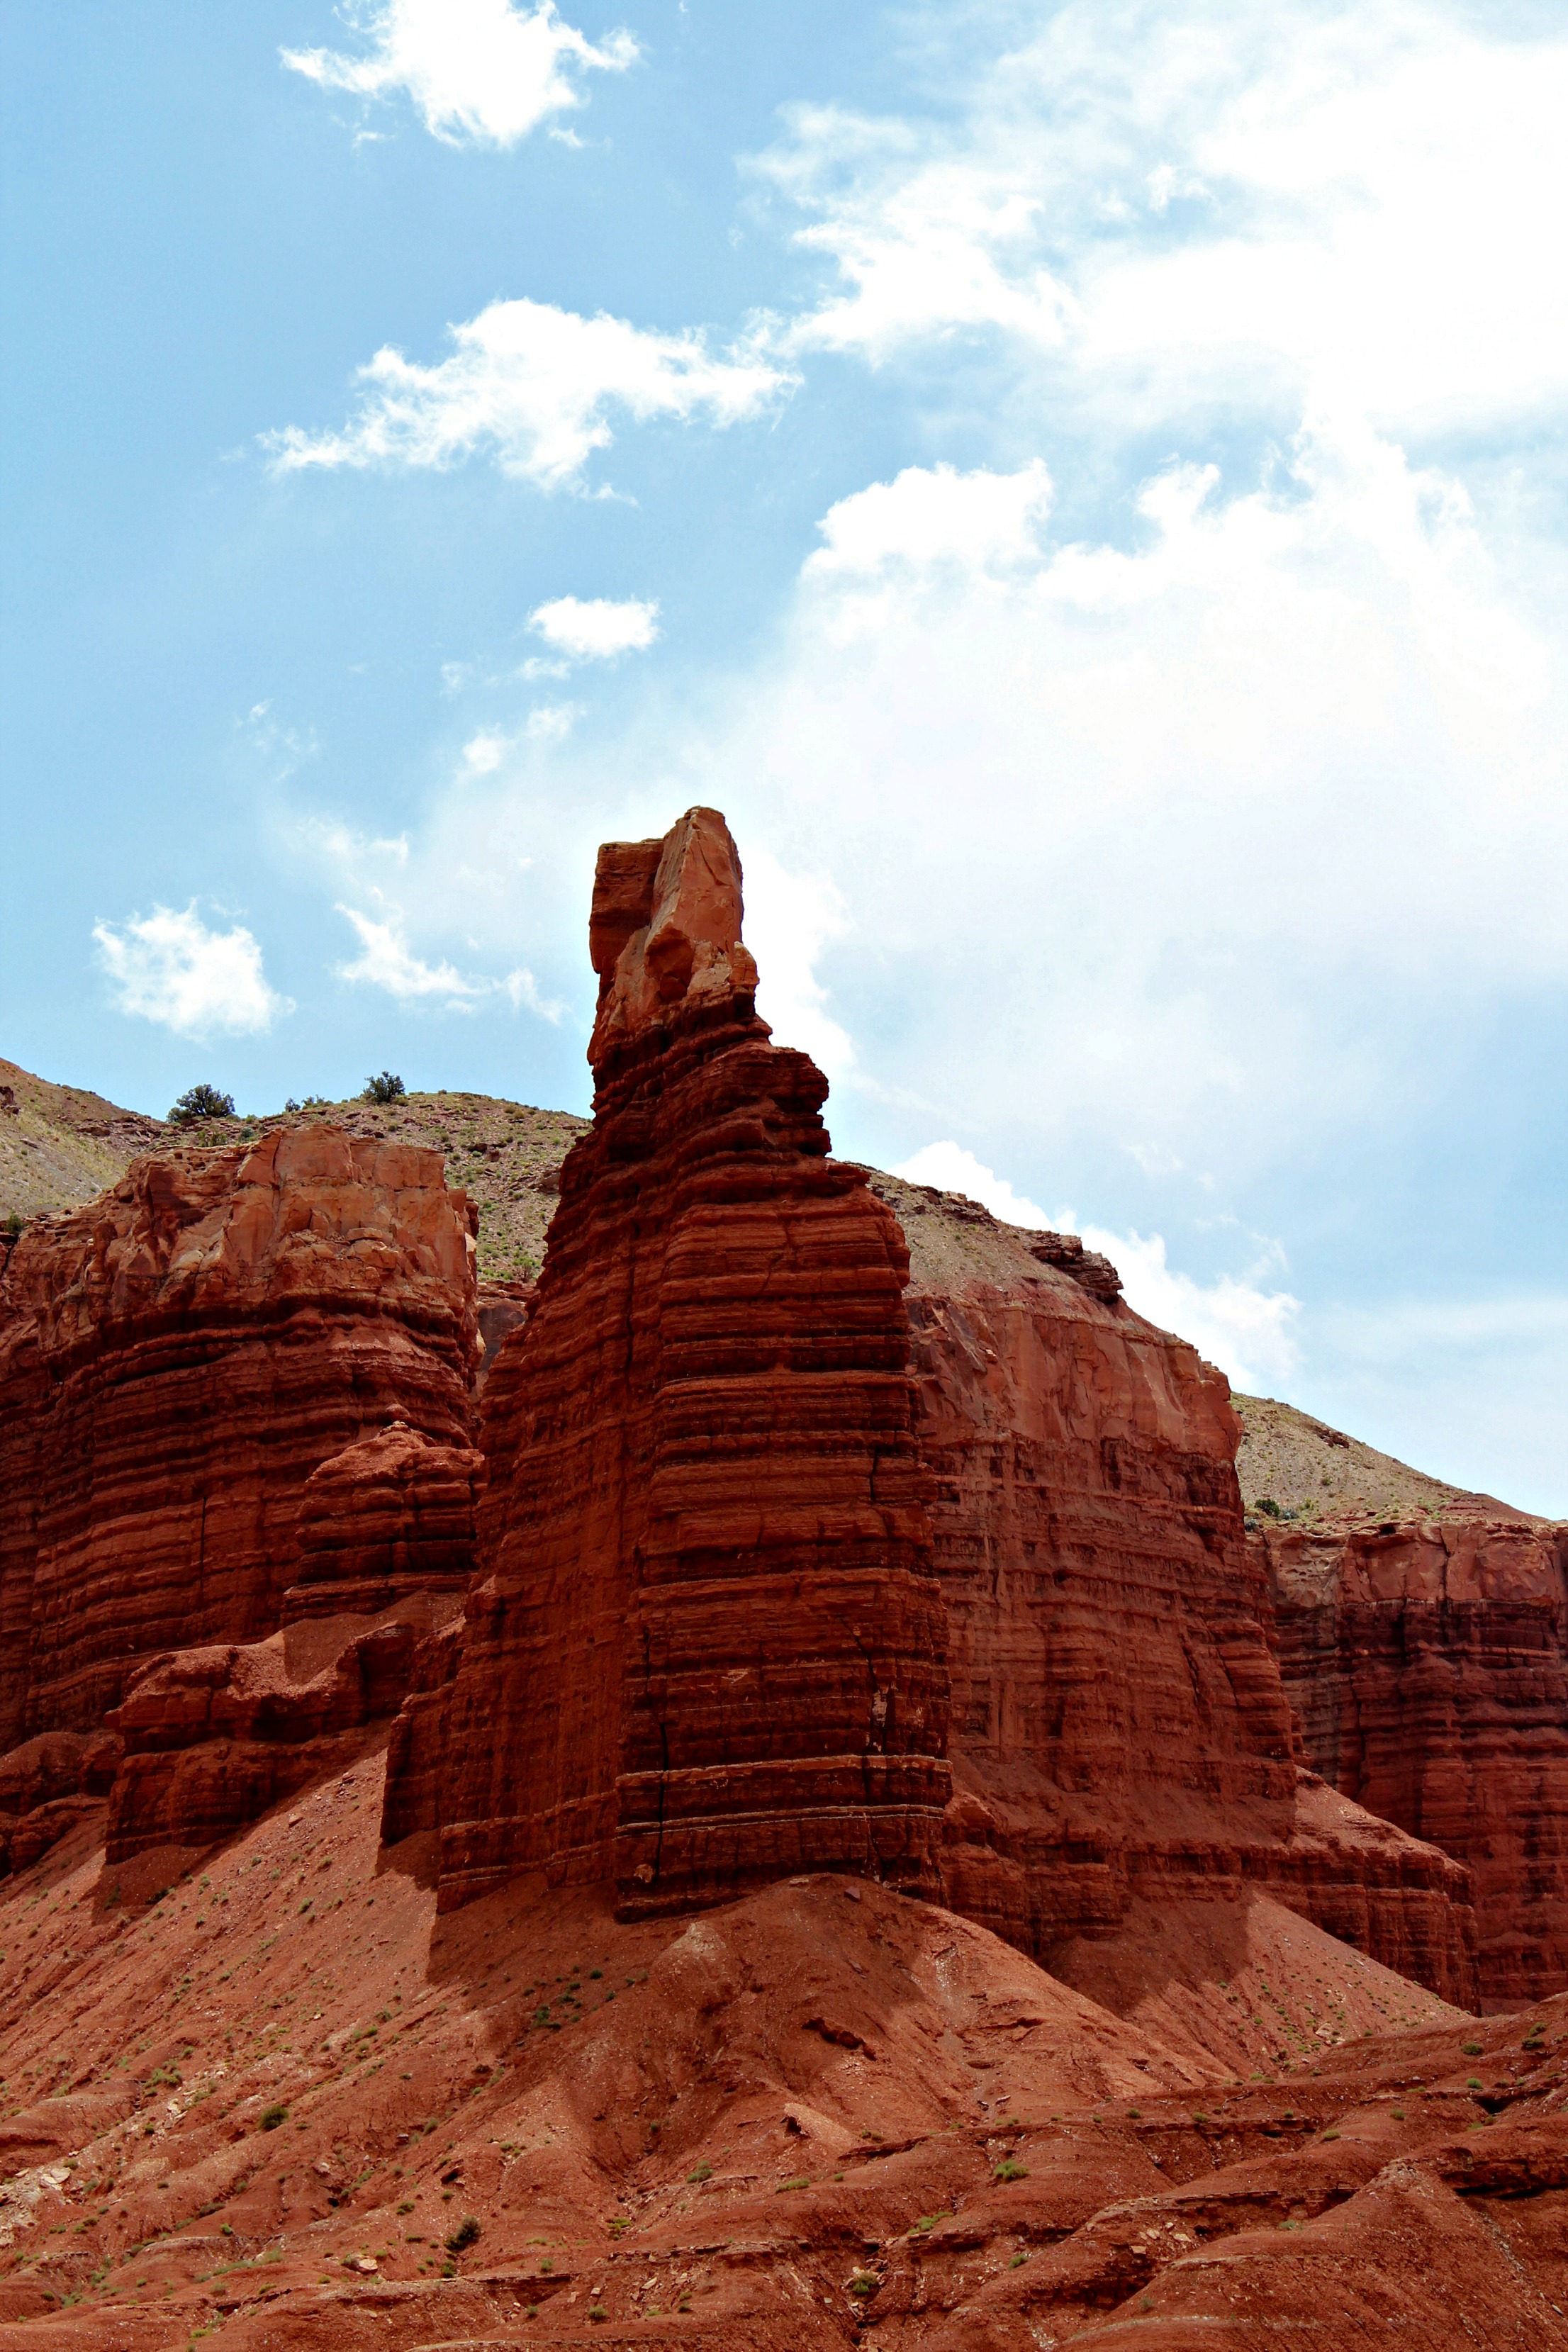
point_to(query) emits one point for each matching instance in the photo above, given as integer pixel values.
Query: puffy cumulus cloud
(534, 385)
(169, 967)
(479, 72)
(595, 628)
(1247, 1331)
(1165, 207)
(1187, 828)
(927, 244)
(933, 515)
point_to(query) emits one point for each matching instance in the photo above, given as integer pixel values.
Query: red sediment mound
(704, 1648)
(1428, 1660)
(175, 1360)
(821, 2114)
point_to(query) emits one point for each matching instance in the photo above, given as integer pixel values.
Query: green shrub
(272, 2116)
(1010, 2170)
(386, 1088)
(201, 1102)
(466, 2230)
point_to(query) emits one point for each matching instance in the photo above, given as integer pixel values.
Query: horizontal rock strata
(705, 1648)
(1119, 1721)
(176, 1358)
(1428, 1662)
(389, 1517)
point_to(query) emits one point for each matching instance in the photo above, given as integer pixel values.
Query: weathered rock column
(705, 1648)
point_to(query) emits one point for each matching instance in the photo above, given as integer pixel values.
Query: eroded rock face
(1428, 1661)
(213, 1736)
(1119, 1721)
(389, 1517)
(176, 1358)
(705, 1648)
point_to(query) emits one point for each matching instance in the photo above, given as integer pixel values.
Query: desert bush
(201, 1102)
(387, 1088)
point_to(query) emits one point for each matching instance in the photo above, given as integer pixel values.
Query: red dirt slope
(823, 2115)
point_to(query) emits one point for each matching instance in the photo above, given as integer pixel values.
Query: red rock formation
(706, 1649)
(213, 1736)
(175, 1360)
(48, 1785)
(1428, 1661)
(391, 1516)
(1119, 1723)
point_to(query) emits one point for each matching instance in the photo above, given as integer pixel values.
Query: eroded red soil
(272, 2096)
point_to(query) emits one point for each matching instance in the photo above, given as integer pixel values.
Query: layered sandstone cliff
(390, 1516)
(176, 1358)
(705, 1648)
(1119, 1727)
(1428, 1662)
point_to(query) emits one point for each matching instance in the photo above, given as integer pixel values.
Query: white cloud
(533, 384)
(169, 967)
(1244, 1330)
(1187, 828)
(1371, 200)
(483, 752)
(596, 629)
(789, 919)
(484, 71)
(1248, 1331)
(523, 990)
(927, 244)
(552, 722)
(347, 848)
(952, 1168)
(386, 961)
(931, 516)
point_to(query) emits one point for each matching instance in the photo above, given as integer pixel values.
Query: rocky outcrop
(1428, 1662)
(46, 1786)
(1118, 1722)
(213, 1736)
(176, 1358)
(705, 1648)
(389, 1517)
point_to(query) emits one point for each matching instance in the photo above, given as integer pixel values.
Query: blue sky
(1082, 486)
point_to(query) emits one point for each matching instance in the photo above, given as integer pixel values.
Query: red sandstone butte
(1428, 1661)
(1120, 1729)
(704, 1647)
(176, 1358)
